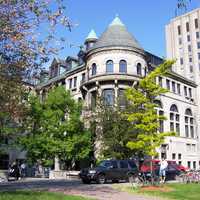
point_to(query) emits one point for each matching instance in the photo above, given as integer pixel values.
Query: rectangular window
(194, 164)
(70, 83)
(187, 27)
(190, 92)
(197, 35)
(83, 77)
(179, 156)
(173, 156)
(185, 90)
(122, 97)
(186, 131)
(190, 59)
(171, 126)
(188, 38)
(189, 164)
(177, 128)
(173, 86)
(160, 81)
(181, 61)
(75, 81)
(196, 23)
(191, 131)
(180, 41)
(178, 88)
(168, 84)
(93, 99)
(179, 30)
(199, 56)
(191, 68)
(108, 97)
(198, 45)
(188, 147)
(189, 48)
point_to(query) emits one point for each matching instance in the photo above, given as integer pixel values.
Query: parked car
(113, 170)
(178, 166)
(173, 170)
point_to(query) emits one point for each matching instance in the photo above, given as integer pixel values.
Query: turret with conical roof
(116, 35)
(90, 39)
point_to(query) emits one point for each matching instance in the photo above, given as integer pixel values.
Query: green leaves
(142, 112)
(55, 128)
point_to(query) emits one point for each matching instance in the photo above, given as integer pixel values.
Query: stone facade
(109, 67)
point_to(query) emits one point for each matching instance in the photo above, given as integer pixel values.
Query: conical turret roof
(117, 35)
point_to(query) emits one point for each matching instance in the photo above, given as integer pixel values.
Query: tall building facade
(183, 44)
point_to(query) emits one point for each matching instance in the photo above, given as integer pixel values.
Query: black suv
(113, 170)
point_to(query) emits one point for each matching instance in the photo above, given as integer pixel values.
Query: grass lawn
(30, 195)
(169, 191)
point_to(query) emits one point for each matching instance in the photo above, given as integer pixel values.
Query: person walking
(163, 168)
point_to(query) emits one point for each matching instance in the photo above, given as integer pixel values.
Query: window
(190, 92)
(178, 88)
(123, 164)
(185, 90)
(94, 69)
(191, 68)
(189, 164)
(108, 97)
(109, 66)
(114, 164)
(93, 99)
(83, 77)
(179, 156)
(196, 23)
(187, 27)
(122, 66)
(160, 81)
(174, 119)
(75, 81)
(168, 84)
(198, 45)
(194, 164)
(160, 112)
(173, 156)
(70, 83)
(189, 123)
(189, 48)
(181, 61)
(4, 161)
(190, 59)
(173, 86)
(139, 69)
(199, 56)
(197, 35)
(179, 30)
(180, 41)
(122, 98)
(188, 38)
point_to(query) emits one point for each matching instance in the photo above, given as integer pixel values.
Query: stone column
(56, 164)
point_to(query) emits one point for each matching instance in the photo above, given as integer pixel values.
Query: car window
(123, 164)
(105, 164)
(132, 164)
(114, 164)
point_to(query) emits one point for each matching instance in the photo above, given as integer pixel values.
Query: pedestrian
(163, 168)
(23, 169)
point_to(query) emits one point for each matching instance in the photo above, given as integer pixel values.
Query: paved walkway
(73, 187)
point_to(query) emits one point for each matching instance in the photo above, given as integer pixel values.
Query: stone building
(109, 64)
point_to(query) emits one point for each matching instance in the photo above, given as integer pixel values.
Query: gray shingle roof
(117, 35)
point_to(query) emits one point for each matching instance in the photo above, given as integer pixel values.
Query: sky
(145, 19)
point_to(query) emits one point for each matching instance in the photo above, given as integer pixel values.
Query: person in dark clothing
(14, 171)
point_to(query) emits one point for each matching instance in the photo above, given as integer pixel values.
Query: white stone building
(114, 61)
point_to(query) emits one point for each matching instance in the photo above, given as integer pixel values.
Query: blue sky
(145, 19)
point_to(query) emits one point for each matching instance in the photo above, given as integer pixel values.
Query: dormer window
(122, 66)
(109, 66)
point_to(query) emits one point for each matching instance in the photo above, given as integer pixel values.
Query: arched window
(139, 69)
(174, 119)
(160, 112)
(94, 69)
(122, 66)
(109, 66)
(189, 124)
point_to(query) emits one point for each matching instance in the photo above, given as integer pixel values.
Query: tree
(111, 130)
(143, 116)
(27, 39)
(55, 129)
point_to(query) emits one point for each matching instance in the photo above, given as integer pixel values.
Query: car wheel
(86, 181)
(101, 179)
